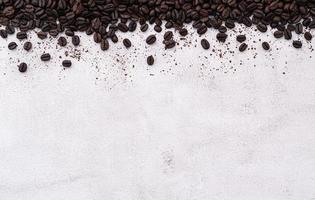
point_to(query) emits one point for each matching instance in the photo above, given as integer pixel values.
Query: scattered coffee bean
(22, 67)
(127, 43)
(243, 47)
(151, 39)
(308, 36)
(287, 34)
(66, 63)
(169, 44)
(3, 33)
(221, 37)
(62, 41)
(144, 27)
(241, 38)
(104, 45)
(12, 46)
(299, 28)
(75, 40)
(297, 44)
(21, 35)
(168, 35)
(278, 34)
(266, 46)
(42, 35)
(157, 28)
(27, 46)
(183, 32)
(69, 33)
(150, 60)
(45, 57)
(205, 44)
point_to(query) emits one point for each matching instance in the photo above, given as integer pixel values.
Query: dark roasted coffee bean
(240, 38)
(168, 35)
(265, 45)
(45, 57)
(104, 44)
(69, 33)
(62, 41)
(21, 35)
(75, 40)
(243, 47)
(202, 30)
(278, 34)
(205, 44)
(297, 44)
(12, 46)
(127, 43)
(97, 37)
(22, 67)
(299, 28)
(3, 33)
(122, 27)
(144, 27)
(287, 34)
(41, 35)
(132, 26)
(27, 46)
(169, 44)
(291, 27)
(221, 37)
(114, 38)
(151, 39)
(308, 36)
(168, 24)
(183, 32)
(222, 29)
(157, 28)
(66, 63)
(150, 60)
(10, 29)
(262, 27)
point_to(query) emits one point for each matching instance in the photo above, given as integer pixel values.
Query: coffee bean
(42, 35)
(66, 63)
(202, 30)
(183, 32)
(3, 33)
(205, 44)
(132, 26)
(75, 40)
(150, 60)
(62, 41)
(144, 27)
(222, 29)
(104, 44)
(278, 34)
(22, 67)
(69, 33)
(168, 24)
(241, 38)
(27, 46)
(221, 37)
(157, 28)
(299, 28)
(45, 57)
(297, 44)
(21, 35)
(266, 46)
(169, 44)
(168, 35)
(127, 43)
(243, 47)
(308, 36)
(262, 27)
(12, 46)
(151, 39)
(287, 34)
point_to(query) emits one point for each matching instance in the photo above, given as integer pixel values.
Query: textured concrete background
(194, 126)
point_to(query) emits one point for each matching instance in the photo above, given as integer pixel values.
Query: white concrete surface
(200, 129)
